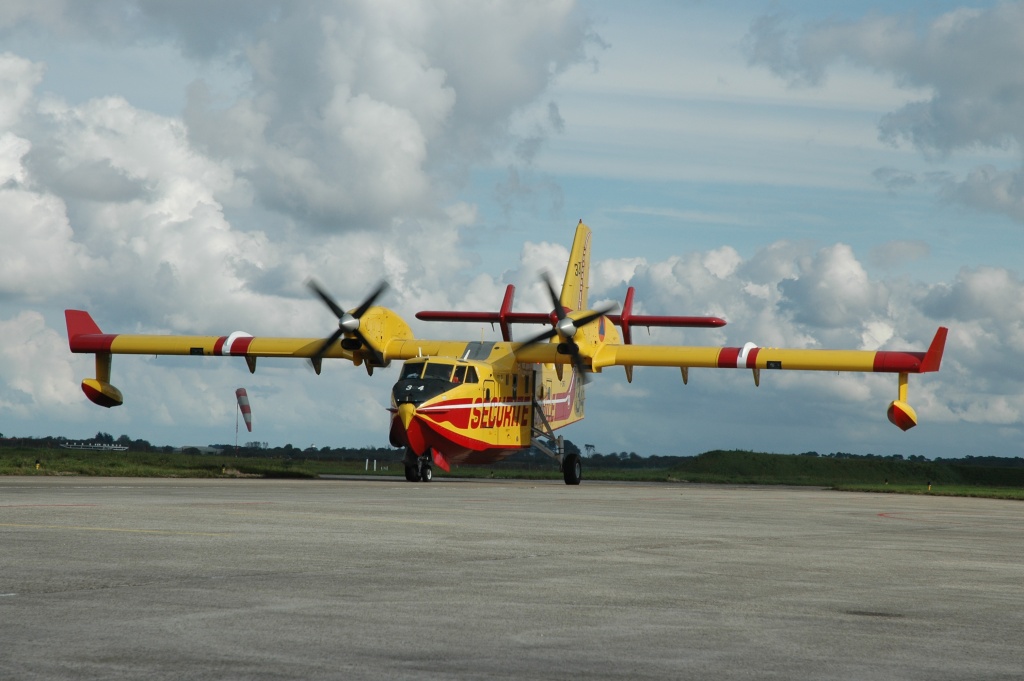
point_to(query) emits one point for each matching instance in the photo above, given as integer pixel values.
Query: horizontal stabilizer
(626, 321)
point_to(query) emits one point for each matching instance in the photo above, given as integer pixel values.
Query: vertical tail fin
(577, 273)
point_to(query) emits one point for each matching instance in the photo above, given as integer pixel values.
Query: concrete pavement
(383, 579)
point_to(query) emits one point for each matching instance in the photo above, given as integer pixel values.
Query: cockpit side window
(460, 374)
(471, 375)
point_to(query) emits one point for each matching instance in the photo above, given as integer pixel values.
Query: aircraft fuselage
(480, 407)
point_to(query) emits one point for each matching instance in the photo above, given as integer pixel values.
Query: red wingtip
(933, 358)
(80, 322)
(84, 334)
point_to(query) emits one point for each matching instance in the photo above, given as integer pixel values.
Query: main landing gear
(572, 469)
(545, 440)
(418, 468)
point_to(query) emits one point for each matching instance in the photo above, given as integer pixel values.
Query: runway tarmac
(106, 578)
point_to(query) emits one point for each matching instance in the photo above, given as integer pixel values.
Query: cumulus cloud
(832, 290)
(984, 293)
(967, 59)
(42, 261)
(35, 367)
(362, 113)
(18, 80)
(988, 188)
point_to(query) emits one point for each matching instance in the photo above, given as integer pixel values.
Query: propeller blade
(555, 302)
(595, 315)
(326, 345)
(558, 310)
(368, 303)
(378, 356)
(580, 366)
(324, 296)
(540, 337)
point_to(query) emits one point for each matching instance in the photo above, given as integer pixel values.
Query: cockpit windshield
(411, 370)
(438, 371)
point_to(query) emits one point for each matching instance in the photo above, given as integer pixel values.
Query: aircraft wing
(85, 336)
(752, 357)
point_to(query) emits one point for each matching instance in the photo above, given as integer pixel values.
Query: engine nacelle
(902, 415)
(102, 393)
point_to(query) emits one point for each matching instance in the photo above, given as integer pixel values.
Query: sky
(818, 177)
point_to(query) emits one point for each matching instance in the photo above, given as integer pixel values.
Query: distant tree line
(526, 458)
(869, 457)
(288, 451)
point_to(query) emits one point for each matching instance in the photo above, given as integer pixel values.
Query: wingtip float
(465, 402)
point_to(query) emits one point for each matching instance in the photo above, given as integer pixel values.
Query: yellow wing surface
(757, 358)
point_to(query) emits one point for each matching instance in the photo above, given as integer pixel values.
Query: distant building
(94, 446)
(201, 450)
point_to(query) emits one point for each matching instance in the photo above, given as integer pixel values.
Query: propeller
(348, 322)
(566, 327)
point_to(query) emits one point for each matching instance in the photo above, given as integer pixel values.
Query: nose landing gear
(418, 468)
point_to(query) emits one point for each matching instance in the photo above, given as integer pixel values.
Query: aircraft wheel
(427, 474)
(411, 475)
(572, 469)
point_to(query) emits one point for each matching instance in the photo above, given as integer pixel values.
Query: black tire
(411, 475)
(427, 474)
(572, 469)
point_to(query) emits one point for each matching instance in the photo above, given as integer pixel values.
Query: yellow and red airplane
(469, 402)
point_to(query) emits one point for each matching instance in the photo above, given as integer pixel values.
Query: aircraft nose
(406, 412)
(414, 431)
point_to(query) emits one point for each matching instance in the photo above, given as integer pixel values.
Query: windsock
(243, 404)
